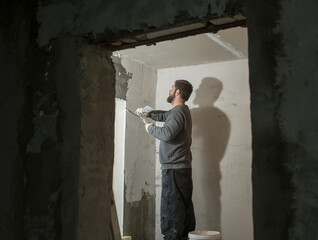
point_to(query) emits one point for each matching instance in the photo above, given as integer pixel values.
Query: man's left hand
(147, 124)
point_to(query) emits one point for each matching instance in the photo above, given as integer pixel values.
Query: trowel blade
(131, 112)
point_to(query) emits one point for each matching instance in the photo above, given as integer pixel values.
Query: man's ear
(178, 92)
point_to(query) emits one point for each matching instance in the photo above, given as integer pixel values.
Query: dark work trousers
(177, 214)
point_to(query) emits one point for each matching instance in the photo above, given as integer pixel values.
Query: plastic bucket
(209, 235)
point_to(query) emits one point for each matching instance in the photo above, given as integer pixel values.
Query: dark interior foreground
(57, 109)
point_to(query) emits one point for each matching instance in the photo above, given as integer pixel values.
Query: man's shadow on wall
(210, 134)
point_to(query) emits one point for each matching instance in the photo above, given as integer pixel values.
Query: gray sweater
(175, 136)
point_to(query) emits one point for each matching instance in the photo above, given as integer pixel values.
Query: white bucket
(209, 235)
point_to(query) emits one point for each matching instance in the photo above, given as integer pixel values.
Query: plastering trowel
(131, 112)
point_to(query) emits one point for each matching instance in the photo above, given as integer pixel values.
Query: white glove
(147, 126)
(144, 111)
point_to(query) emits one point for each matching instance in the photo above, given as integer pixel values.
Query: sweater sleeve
(159, 116)
(173, 125)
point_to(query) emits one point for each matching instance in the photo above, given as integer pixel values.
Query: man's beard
(171, 97)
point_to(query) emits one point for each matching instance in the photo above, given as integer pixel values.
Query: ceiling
(226, 45)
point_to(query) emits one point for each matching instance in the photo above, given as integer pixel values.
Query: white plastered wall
(119, 157)
(221, 148)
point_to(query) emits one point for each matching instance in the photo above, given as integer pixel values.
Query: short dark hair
(185, 88)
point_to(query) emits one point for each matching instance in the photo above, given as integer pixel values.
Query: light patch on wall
(122, 77)
(217, 39)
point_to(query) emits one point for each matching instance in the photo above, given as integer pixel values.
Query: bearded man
(176, 212)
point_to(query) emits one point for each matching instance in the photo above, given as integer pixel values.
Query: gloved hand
(144, 111)
(147, 124)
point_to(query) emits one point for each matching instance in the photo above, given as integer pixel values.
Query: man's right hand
(145, 111)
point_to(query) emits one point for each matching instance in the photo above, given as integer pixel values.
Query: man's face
(172, 94)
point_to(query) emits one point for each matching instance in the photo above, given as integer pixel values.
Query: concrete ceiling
(226, 45)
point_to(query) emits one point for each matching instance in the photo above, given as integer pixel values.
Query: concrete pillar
(284, 103)
(97, 143)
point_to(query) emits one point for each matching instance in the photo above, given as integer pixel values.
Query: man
(177, 214)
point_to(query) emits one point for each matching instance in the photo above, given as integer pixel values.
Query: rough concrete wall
(51, 166)
(139, 204)
(122, 77)
(40, 130)
(13, 112)
(101, 20)
(68, 107)
(283, 80)
(97, 143)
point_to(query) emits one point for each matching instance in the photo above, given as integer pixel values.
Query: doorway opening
(217, 67)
